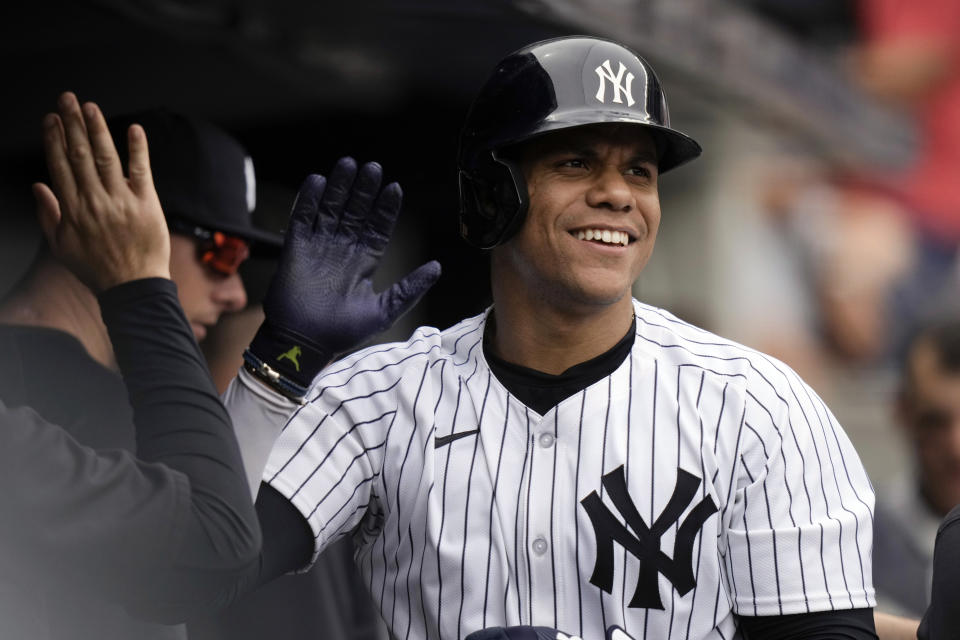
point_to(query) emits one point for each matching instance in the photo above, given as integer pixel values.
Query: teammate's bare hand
(105, 227)
(321, 301)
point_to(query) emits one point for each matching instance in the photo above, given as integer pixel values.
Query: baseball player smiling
(571, 458)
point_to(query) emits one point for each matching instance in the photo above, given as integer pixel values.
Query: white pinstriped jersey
(699, 480)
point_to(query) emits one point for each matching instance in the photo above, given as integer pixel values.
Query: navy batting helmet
(547, 86)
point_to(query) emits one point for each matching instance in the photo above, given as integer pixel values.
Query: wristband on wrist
(273, 378)
(292, 355)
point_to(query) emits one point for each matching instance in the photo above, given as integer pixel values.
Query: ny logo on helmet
(605, 71)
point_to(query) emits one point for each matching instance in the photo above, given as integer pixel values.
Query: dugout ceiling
(247, 62)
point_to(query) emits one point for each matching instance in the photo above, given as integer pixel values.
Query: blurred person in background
(207, 187)
(910, 510)
(98, 522)
(57, 355)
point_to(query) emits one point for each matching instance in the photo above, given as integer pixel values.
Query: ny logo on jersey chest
(644, 542)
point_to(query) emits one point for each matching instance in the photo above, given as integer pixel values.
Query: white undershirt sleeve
(258, 415)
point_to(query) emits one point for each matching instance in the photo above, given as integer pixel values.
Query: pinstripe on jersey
(459, 529)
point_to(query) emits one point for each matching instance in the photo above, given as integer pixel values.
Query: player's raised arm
(321, 301)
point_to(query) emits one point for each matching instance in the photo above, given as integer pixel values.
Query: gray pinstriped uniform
(699, 480)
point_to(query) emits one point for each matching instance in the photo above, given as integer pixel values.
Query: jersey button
(540, 546)
(546, 440)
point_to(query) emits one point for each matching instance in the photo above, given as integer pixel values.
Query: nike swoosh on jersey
(445, 440)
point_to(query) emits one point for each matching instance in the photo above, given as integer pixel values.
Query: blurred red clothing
(930, 186)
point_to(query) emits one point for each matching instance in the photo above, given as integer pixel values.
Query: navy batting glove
(321, 301)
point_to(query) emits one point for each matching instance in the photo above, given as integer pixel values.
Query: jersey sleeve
(328, 459)
(799, 529)
(322, 467)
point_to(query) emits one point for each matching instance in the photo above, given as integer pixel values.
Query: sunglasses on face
(218, 251)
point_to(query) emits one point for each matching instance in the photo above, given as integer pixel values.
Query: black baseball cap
(202, 175)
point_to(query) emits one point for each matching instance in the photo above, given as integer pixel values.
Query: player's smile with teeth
(603, 236)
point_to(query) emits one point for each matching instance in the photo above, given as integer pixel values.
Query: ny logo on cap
(605, 71)
(644, 541)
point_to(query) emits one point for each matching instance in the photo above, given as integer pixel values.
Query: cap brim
(262, 243)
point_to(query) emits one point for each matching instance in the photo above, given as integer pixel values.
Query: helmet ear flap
(493, 202)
